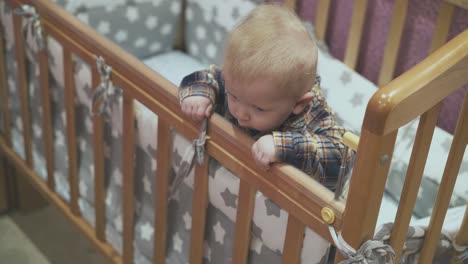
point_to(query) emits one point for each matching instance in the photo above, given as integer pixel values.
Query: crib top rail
(399, 102)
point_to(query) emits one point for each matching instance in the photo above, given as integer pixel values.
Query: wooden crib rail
(22, 88)
(4, 93)
(400, 101)
(417, 92)
(71, 130)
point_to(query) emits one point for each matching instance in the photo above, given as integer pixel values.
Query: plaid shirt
(311, 140)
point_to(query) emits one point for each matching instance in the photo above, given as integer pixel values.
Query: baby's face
(259, 104)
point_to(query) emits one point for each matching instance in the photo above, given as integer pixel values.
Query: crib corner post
(24, 196)
(5, 190)
(366, 187)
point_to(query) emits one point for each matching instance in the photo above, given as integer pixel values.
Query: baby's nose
(242, 114)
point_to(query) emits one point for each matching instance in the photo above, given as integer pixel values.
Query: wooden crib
(415, 94)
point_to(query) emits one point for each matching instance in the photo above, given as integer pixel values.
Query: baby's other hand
(197, 107)
(264, 152)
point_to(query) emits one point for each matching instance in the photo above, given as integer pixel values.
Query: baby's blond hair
(272, 43)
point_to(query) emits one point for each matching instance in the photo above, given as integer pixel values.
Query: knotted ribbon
(33, 23)
(196, 152)
(372, 251)
(105, 91)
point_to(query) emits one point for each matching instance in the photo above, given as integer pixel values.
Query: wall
(415, 43)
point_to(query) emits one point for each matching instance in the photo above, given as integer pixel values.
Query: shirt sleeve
(318, 154)
(201, 83)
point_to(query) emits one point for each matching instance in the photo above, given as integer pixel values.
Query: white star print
(147, 184)
(177, 243)
(166, 29)
(176, 196)
(146, 231)
(37, 131)
(155, 47)
(256, 245)
(118, 177)
(175, 8)
(187, 220)
(109, 199)
(153, 164)
(157, 2)
(206, 251)
(118, 223)
(140, 42)
(83, 188)
(132, 14)
(63, 115)
(83, 17)
(19, 124)
(219, 232)
(103, 27)
(82, 144)
(151, 22)
(91, 169)
(121, 36)
(88, 125)
(59, 139)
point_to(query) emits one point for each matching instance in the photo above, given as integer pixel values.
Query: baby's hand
(264, 152)
(197, 107)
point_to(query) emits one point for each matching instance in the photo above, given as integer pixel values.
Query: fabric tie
(33, 23)
(196, 152)
(372, 251)
(461, 253)
(105, 92)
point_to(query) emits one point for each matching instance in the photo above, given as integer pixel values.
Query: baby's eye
(233, 96)
(259, 109)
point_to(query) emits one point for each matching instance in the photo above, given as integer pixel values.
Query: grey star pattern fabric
(229, 198)
(345, 77)
(272, 209)
(143, 28)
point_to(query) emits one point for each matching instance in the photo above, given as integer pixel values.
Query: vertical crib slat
(293, 241)
(355, 33)
(98, 142)
(461, 238)
(413, 178)
(447, 184)
(22, 87)
(199, 204)
(442, 26)
(4, 195)
(393, 41)
(71, 129)
(162, 181)
(246, 204)
(4, 92)
(458, 3)
(321, 19)
(291, 4)
(376, 161)
(46, 116)
(128, 180)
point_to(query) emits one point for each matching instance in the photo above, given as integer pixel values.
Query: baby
(268, 87)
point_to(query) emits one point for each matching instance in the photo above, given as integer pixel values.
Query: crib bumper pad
(143, 28)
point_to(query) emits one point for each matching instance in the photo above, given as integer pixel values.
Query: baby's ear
(303, 102)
